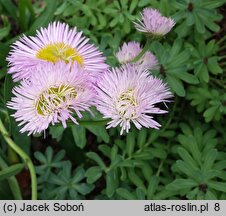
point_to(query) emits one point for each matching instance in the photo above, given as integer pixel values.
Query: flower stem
(24, 156)
(222, 57)
(218, 82)
(221, 40)
(146, 47)
(222, 48)
(162, 161)
(160, 168)
(88, 122)
(13, 184)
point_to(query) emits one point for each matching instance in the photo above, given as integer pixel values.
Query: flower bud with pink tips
(152, 22)
(128, 51)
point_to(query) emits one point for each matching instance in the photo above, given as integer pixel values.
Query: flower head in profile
(130, 50)
(152, 22)
(55, 43)
(129, 95)
(53, 94)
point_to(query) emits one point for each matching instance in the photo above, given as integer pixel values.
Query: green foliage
(173, 65)
(48, 162)
(197, 16)
(185, 159)
(210, 102)
(11, 171)
(205, 60)
(197, 171)
(56, 178)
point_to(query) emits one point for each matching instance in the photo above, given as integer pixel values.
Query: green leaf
(11, 171)
(106, 150)
(56, 132)
(199, 24)
(219, 186)
(79, 175)
(180, 184)
(130, 143)
(209, 160)
(186, 77)
(111, 182)
(93, 174)
(21, 139)
(187, 157)
(209, 114)
(133, 5)
(4, 31)
(140, 194)
(79, 134)
(142, 136)
(135, 179)
(213, 66)
(176, 85)
(210, 195)
(8, 86)
(179, 59)
(99, 131)
(12, 181)
(146, 170)
(202, 72)
(186, 168)
(10, 7)
(94, 156)
(84, 188)
(45, 17)
(125, 194)
(146, 154)
(190, 19)
(22, 14)
(152, 187)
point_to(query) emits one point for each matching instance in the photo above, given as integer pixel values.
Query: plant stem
(222, 48)
(146, 47)
(218, 82)
(162, 161)
(221, 40)
(160, 168)
(95, 123)
(13, 184)
(24, 156)
(162, 130)
(222, 57)
(88, 123)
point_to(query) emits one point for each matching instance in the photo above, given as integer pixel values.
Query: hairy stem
(24, 156)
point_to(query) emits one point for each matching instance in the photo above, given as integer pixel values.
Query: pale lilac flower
(55, 43)
(152, 22)
(130, 50)
(53, 94)
(128, 95)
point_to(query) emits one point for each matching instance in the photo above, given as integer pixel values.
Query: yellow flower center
(54, 98)
(55, 52)
(126, 104)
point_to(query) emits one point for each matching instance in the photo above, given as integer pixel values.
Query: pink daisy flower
(52, 95)
(154, 23)
(130, 50)
(128, 95)
(55, 43)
